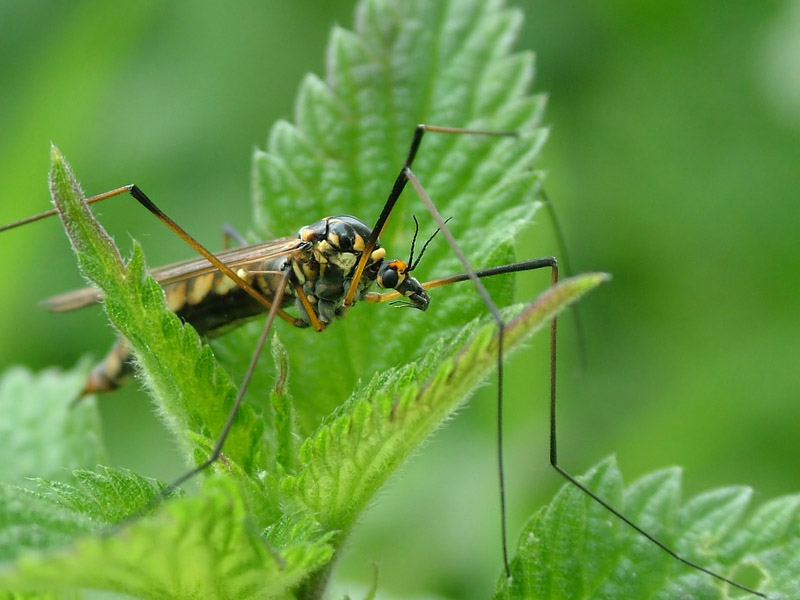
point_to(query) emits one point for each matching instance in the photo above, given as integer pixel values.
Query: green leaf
(106, 495)
(203, 546)
(43, 433)
(192, 391)
(443, 63)
(31, 522)
(574, 548)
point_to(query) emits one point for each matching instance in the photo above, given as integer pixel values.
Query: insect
(321, 273)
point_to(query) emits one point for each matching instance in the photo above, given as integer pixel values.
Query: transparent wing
(181, 271)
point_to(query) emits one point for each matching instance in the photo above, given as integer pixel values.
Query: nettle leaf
(574, 548)
(43, 434)
(203, 546)
(105, 495)
(442, 63)
(32, 522)
(192, 391)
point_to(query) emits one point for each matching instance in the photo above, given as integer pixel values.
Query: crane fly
(320, 274)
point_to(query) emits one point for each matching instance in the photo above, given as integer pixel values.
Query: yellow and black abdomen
(213, 304)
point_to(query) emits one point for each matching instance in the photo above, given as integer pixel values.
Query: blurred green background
(674, 163)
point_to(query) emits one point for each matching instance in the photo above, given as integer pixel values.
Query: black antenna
(411, 263)
(413, 242)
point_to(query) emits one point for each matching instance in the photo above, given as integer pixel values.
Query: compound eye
(388, 278)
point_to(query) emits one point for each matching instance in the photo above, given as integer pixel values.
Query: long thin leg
(142, 199)
(223, 436)
(52, 212)
(229, 233)
(473, 275)
(567, 264)
(487, 299)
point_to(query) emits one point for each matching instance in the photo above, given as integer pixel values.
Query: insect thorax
(326, 269)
